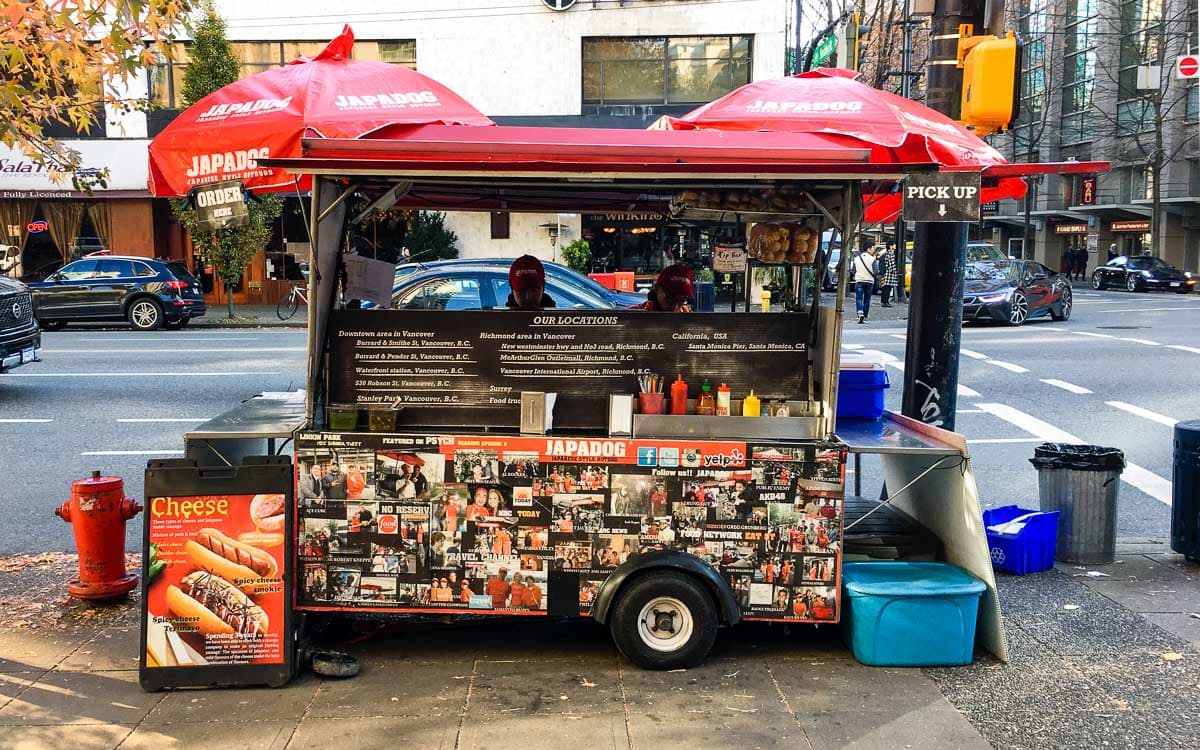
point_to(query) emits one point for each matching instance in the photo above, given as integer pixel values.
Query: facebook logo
(647, 457)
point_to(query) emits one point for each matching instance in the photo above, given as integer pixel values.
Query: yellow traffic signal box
(990, 92)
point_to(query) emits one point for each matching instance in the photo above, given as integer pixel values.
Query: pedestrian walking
(862, 272)
(1081, 261)
(1067, 262)
(891, 279)
(1112, 251)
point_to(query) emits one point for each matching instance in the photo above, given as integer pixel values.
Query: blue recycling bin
(705, 296)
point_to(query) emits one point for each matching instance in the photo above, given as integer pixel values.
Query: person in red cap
(527, 280)
(672, 291)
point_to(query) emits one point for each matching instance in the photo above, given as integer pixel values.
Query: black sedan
(1015, 291)
(147, 293)
(1142, 272)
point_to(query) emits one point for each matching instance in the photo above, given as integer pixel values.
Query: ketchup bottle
(679, 394)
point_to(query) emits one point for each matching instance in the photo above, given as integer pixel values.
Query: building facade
(1099, 84)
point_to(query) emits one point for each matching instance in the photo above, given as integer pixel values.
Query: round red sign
(388, 524)
(1189, 66)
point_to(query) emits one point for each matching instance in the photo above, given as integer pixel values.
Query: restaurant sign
(1130, 226)
(1070, 228)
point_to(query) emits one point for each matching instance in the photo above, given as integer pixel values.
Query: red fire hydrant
(98, 509)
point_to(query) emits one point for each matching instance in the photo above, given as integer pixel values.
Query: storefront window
(664, 70)
(400, 52)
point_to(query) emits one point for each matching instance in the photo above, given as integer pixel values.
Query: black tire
(1098, 282)
(287, 307)
(1131, 283)
(1065, 306)
(684, 602)
(334, 664)
(52, 325)
(145, 314)
(1018, 309)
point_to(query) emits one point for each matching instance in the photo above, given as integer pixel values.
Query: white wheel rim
(1131, 284)
(144, 314)
(1019, 309)
(665, 624)
(1066, 305)
(1095, 281)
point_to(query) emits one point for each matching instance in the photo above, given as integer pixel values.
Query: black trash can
(1082, 483)
(1185, 498)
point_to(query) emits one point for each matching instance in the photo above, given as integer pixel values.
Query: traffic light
(851, 53)
(991, 91)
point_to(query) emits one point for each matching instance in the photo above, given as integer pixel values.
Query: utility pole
(939, 252)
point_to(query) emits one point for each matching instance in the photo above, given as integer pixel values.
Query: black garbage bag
(1078, 457)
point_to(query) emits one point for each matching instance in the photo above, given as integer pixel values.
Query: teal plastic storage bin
(910, 614)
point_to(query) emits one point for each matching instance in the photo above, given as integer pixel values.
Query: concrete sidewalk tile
(75, 737)
(396, 688)
(560, 701)
(1139, 567)
(235, 704)
(426, 734)
(936, 726)
(723, 702)
(23, 650)
(1185, 625)
(1158, 596)
(1177, 561)
(257, 735)
(110, 649)
(13, 684)
(80, 698)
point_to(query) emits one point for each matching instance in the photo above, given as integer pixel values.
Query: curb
(196, 324)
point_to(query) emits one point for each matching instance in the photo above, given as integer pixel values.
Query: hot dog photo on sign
(214, 587)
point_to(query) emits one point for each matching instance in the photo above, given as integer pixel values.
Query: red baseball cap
(526, 273)
(676, 281)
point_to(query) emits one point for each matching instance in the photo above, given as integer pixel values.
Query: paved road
(1119, 373)
(1116, 374)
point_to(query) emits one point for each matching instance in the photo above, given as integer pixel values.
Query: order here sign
(942, 196)
(220, 205)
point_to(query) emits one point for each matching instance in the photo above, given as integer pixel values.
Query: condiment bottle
(679, 394)
(750, 406)
(706, 405)
(781, 409)
(723, 400)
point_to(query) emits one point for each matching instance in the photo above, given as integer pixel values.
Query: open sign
(35, 227)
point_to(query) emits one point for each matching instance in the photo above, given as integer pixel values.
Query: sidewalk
(1098, 660)
(249, 316)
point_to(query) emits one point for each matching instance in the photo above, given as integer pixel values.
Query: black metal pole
(939, 252)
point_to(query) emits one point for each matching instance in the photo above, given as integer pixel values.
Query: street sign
(1087, 193)
(219, 205)
(824, 50)
(942, 196)
(1187, 66)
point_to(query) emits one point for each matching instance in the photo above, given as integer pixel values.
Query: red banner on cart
(215, 594)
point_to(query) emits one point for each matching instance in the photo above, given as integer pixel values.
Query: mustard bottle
(750, 406)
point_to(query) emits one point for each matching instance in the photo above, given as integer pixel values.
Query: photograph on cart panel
(790, 529)
(409, 476)
(777, 569)
(450, 508)
(328, 475)
(315, 582)
(814, 602)
(519, 467)
(572, 478)
(579, 512)
(478, 466)
(377, 589)
(493, 500)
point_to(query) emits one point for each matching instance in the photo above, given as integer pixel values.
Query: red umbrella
(832, 101)
(403, 458)
(222, 136)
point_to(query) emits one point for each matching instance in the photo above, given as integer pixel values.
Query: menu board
(216, 577)
(467, 368)
(535, 526)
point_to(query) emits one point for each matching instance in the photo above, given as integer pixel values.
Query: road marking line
(1093, 335)
(25, 421)
(132, 453)
(134, 374)
(1153, 416)
(898, 365)
(968, 393)
(1143, 479)
(1065, 385)
(1003, 440)
(1142, 309)
(226, 350)
(173, 338)
(1147, 342)
(884, 357)
(972, 354)
(165, 419)
(898, 336)
(852, 347)
(1183, 348)
(1007, 366)
(968, 411)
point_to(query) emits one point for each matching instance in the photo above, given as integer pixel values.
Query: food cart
(436, 499)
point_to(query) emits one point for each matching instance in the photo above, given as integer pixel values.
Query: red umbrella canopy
(222, 136)
(833, 101)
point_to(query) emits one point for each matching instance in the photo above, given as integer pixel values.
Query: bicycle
(288, 305)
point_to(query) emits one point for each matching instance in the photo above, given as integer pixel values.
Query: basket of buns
(794, 244)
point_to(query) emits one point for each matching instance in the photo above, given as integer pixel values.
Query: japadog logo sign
(759, 106)
(388, 100)
(243, 109)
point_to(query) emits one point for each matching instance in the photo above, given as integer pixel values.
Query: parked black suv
(20, 337)
(147, 293)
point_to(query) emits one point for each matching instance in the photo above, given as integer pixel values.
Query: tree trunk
(1156, 228)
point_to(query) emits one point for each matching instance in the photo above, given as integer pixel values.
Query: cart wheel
(334, 664)
(664, 621)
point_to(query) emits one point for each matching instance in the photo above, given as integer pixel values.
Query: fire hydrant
(98, 509)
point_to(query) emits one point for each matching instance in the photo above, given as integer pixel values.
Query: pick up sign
(942, 196)
(220, 205)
